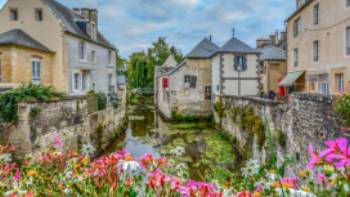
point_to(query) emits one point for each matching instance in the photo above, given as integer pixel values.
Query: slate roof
(272, 53)
(20, 38)
(235, 45)
(205, 49)
(68, 17)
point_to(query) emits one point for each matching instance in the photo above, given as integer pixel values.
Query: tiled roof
(204, 49)
(20, 38)
(236, 46)
(68, 17)
(272, 53)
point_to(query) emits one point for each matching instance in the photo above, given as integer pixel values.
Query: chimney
(92, 16)
(210, 37)
(272, 39)
(260, 43)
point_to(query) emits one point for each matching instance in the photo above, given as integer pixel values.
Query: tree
(120, 64)
(141, 65)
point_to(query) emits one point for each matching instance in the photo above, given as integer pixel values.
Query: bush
(101, 99)
(30, 92)
(342, 110)
(189, 118)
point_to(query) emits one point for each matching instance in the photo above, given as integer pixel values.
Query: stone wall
(302, 120)
(73, 119)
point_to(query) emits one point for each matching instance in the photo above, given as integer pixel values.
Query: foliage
(120, 64)
(342, 110)
(141, 65)
(55, 173)
(176, 117)
(35, 111)
(30, 92)
(282, 138)
(102, 99)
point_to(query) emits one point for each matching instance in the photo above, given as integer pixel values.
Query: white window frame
(37, 68)
(324, 87)
(339, 82)
(297, 27)
(296, 57)
(36, 16)
(93, 56)
(85, 81)
(82, 51)
(76, 85)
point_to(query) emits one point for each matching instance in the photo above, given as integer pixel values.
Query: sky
(132, 25)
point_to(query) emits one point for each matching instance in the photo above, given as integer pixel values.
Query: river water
(195, 150)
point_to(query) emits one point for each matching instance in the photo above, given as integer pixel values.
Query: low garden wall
(76, 120)
(258, 126)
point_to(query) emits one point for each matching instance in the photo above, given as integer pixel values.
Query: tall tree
(141, 65)
(120, 64)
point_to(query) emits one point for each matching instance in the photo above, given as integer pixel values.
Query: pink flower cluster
(337, 154)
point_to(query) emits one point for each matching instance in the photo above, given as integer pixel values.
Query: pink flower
(290, 182)
(315, 158)
(17, 175)
(58, 141)
(337, 153)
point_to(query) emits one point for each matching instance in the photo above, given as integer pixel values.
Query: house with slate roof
(273, 62)
(186, 89)
(43, 41)
(235, 68)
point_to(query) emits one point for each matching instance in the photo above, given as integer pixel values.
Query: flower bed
(55, 173)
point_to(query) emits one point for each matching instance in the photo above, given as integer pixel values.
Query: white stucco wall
(99, 70)
(215, 74)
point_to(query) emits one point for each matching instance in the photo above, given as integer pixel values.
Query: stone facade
(76, 120)
(305, 119)
(319, 45)
(272, 73)
(181, 97)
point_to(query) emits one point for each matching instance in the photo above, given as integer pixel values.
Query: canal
(195, 150)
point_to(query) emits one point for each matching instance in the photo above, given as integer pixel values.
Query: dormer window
(13, 14)
(39, 14)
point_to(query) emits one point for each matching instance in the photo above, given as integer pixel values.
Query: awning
(290, 79)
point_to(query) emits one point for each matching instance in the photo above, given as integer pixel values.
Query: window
(240, 63)
(110, 83)
(312, 86)
(110, 57)
(76, 81)
(39, 14)
(297, 27)
(296, 57)
(93, 56)
(339, 82)
(324, 87)
(191, 81)
(13, 14)
(36, 71)
(82, 50)
(85, 81)
(207, 92)
(316, 50)
(347, 3)
(316, 13)
(348, 40)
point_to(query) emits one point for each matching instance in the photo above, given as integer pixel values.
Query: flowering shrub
(55, 173)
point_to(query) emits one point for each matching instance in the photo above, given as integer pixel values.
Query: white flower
(295, 193)
(7, 158)
(69, 174)
(88, 149)
(129, 166)
(67, 191)
(251, 168)
(178, 151)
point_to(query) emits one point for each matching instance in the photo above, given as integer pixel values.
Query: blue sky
(132, 25)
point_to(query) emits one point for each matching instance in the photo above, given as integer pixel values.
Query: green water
(195, 150)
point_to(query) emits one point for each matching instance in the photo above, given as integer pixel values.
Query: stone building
(186, 89)
(319, 47)
(235, 70)
(273, 61)
(42, 41)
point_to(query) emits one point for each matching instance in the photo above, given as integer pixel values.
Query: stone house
(273, 61)
(186, 89)
(235, 69)
(319, 47)
(42, 41)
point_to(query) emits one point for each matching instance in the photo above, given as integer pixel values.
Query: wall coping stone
(68, 98)
(255, 99)
(315, 97)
